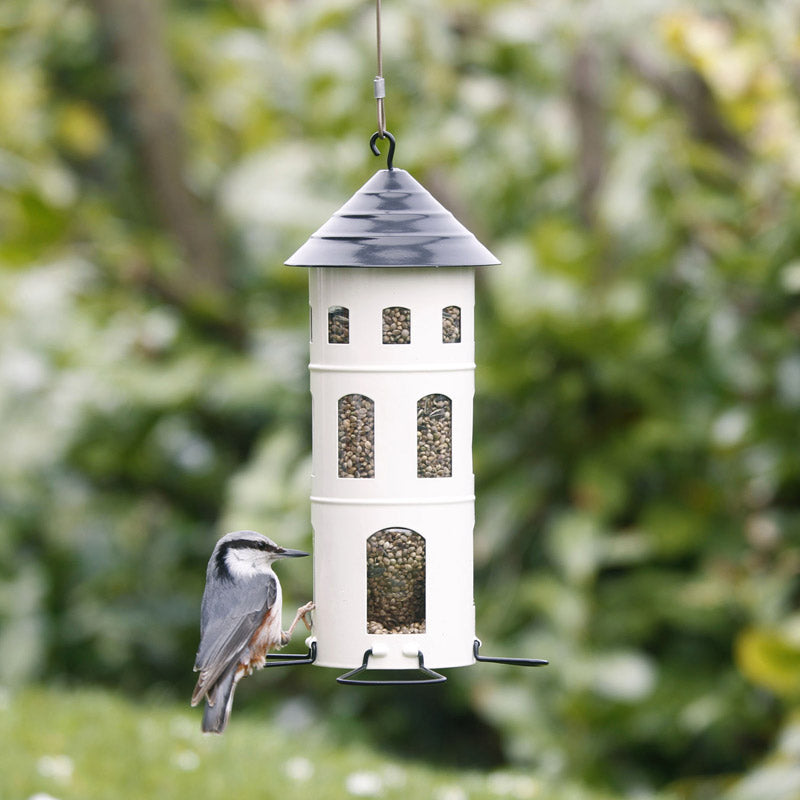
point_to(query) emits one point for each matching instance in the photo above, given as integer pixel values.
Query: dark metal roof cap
(392, 221)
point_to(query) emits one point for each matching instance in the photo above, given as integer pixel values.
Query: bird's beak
(286, 553)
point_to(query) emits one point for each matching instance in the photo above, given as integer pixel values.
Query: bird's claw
(301, 614)
(305, 611)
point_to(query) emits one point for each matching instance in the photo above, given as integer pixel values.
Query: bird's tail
(215, 718)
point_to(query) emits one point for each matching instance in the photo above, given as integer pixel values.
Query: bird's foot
(301, 614)
(305, 611)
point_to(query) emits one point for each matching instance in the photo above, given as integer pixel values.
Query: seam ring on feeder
(438, 500)
(317, 367)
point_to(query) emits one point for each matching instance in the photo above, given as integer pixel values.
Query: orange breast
(266, 637)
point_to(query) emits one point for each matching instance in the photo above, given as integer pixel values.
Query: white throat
(246, 563)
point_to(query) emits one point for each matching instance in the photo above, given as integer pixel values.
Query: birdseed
(451, 325)
(434, 437)
(356, 437)
(395, 582)
(338, 325)
(396, 325)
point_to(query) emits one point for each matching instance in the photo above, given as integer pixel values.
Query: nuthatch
(240, 620)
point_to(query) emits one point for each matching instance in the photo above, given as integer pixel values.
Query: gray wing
(230, 614)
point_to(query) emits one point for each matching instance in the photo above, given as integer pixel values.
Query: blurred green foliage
(636, 452)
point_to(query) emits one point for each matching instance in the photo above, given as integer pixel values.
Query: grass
(95, 745)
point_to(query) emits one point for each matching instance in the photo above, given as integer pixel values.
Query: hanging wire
(379, 84)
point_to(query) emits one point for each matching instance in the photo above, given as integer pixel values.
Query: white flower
(451, 793)
(507, 784)
(299, 769)
(186, 760)
(364, 784)
(59, 768)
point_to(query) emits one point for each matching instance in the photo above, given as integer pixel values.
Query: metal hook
(374, 147)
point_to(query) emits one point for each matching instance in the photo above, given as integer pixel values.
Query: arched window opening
(356, 437)
(434, 437)
(338, 325)
(396, 581)
(396, 325)
(451, 325)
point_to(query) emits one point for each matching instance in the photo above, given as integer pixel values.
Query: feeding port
(434, 437)
(338, 325)
(396, 582)
(356, 436)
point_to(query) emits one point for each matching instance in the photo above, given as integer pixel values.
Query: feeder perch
(391, 293)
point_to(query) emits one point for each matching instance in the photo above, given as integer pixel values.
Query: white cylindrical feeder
(391, 292)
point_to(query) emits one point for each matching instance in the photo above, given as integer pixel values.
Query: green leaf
(770, 659)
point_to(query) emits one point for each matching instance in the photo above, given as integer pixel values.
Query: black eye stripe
(251, 544)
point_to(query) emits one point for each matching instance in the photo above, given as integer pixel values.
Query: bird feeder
(392, 297)
(392, 294)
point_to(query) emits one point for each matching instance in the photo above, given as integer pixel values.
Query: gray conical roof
(392, 221)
